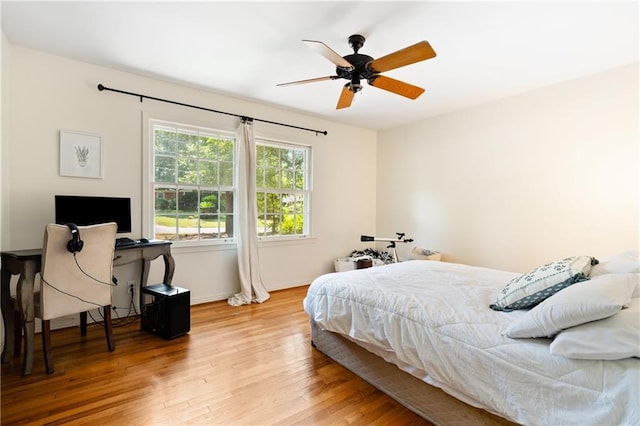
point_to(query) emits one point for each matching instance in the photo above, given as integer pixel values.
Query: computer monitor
(88, 210)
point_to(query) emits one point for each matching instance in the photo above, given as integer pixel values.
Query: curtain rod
(242, 117)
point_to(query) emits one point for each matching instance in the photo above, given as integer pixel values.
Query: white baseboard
(74, 320)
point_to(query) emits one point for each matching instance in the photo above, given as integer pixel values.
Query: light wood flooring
(247, 365)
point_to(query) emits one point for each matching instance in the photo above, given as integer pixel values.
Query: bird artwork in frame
(80, 154)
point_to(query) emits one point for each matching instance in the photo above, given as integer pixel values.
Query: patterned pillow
(527, 290)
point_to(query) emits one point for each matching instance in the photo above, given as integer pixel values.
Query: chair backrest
(76, 282)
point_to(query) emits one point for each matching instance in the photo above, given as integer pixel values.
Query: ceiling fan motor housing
(360, 71)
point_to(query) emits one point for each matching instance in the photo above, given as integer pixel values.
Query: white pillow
(527, 290)
(626, 262)
(582, 302)
(616, 337)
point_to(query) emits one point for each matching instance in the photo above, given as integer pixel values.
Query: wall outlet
(131, 286)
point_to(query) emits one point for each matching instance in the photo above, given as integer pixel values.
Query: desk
(26, 263)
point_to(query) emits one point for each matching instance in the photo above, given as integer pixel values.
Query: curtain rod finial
(100, 87)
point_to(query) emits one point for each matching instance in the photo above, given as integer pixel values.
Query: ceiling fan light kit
(357, 67)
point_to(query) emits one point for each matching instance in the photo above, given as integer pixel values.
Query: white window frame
(306, 192)
(150, 184)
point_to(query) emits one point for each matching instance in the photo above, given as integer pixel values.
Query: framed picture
(80, 154)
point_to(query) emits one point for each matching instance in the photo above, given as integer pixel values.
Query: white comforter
(434, 318)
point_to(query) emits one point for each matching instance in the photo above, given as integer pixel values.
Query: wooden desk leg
(144, 277)
(25, 299)
(169, 267)
(7, 315)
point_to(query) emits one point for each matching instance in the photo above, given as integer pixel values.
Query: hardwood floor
(238, 366)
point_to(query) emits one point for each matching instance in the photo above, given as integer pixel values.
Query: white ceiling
(485, 50)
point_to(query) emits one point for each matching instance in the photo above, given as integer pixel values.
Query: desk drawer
(130, 255)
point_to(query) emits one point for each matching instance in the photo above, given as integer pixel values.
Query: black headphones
(75, 243)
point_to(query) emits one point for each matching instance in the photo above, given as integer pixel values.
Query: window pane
(208, 173)
(298, 162)
(299, 221)
(165, 213)
(226, 151)
(209, 226)
(187, 144)
(209, 218)
(259, 177)
(165, 169)
(271, 157)
(226, 228)
(271, 180)
(296, 208)
(286, 159)
(273, 203)
(299, 180)
(260, 162)
(187, 214)
(187, 171)
(208, 148)
(287, 179)
(165, 141)
(298, 204)
(261, 227)
(272, 224)
(226, 173)
(260, 202)
(208, 202)
(226, 216)
(288, 225)
(226, 202)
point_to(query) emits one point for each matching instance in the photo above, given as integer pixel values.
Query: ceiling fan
(358, 67)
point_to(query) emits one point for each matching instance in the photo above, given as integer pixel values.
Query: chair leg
(83, 324)
(46, 346)
(108, 329)
(17, 333)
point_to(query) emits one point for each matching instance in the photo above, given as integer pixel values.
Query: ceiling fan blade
(328, 53)
(396, 86)
(311, 80)
(346, 97)
(409, 55)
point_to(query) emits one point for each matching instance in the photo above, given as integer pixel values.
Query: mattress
(432, 319)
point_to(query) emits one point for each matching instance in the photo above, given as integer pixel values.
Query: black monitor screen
(83, 211)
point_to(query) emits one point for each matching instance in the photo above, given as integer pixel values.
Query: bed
(423, 332)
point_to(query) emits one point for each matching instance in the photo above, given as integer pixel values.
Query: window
(282, 189)
(192, 187)
(193, 182)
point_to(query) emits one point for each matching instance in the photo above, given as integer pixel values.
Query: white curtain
(251, 287)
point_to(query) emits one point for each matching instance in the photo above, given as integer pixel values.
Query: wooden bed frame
(429, 402)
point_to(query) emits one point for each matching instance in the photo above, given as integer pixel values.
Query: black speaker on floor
(169, 314)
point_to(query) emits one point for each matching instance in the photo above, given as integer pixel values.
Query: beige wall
(520, 181)
(5, 91)
(4, 131)
(50, 93)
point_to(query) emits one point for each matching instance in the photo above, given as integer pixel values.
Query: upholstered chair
(76, 277)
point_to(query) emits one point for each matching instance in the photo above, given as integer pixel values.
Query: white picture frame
(80, 154)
